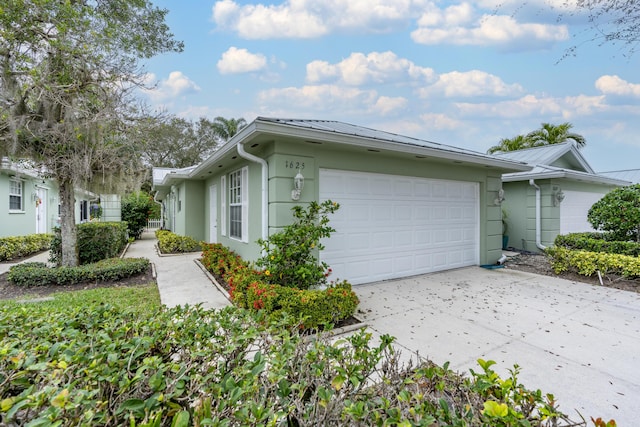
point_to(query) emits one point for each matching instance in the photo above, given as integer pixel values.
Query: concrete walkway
(180, 279)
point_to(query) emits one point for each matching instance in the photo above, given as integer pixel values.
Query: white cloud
(236, 61)
(533, 106)
(376, 67)
(458, 25)
(440, 121)
(312, 18)
(614, 85)
(471, 83)
(386, 105)
(177, 84)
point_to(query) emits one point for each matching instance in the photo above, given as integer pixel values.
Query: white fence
(154, 223)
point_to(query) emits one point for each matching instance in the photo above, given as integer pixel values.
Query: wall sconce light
(298, 185)
(558, 196)
(498, 200)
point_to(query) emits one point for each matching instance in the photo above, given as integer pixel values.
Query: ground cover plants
(99, 365)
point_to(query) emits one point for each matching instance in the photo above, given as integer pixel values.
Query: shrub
(597, 242)
(588, 263)
(38, 274)
(136, 208)
(310, 308)
(21, 246)
(618, 212)
(100, 366)
(289, 254)
(171, 243)
(96, 241)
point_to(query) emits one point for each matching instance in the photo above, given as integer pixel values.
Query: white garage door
(392, 226)
(574, 209)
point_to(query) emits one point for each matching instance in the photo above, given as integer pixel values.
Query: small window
(15, 195)
(238, 205)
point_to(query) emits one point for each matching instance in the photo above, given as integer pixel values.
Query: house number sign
(293, 164)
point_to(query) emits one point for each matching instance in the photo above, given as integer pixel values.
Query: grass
(136, 298)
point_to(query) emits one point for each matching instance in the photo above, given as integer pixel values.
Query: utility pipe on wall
(265, 186)
(538, 216)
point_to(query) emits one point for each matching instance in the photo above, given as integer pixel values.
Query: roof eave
(594, 179)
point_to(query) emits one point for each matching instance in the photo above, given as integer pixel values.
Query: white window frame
(236, 195)
(19, 194)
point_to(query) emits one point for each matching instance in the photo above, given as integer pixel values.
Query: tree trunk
(68, 223)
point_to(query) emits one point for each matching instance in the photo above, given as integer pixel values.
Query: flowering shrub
(289, 258)
(250, 289)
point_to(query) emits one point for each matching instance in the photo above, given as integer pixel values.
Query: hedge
(96, 241)
(588, 263)
(597, 242)
(310, 308)
(171, 243)
(99, 366)
(21, 246)
(38, 274)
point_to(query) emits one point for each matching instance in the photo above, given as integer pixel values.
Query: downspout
(265, 186)
(538, 216)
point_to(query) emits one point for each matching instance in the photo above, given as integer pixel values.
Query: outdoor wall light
(558, 196)
(298, 185)
(498, 200)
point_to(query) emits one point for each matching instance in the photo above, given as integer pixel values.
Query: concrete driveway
(577, 341)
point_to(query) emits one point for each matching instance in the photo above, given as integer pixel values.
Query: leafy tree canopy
(618, 213)
(547, 134)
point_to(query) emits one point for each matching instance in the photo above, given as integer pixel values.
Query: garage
(574, 209)
(391, 226)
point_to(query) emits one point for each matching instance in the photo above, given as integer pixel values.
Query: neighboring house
(32, 203)
(631, 175)
(407, 206)
(552, 198)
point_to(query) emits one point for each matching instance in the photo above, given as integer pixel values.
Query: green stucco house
(407, 206)
(31, 201)
(553, 197)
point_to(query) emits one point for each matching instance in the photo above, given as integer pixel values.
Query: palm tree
(555, 134)
(225, 129)
(510, 144)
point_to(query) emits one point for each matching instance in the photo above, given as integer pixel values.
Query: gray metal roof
(631, 175)
(549, 172)
(364, 132)
(547, 154)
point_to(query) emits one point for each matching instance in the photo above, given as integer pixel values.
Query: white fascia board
(359, 141)
(594, 179)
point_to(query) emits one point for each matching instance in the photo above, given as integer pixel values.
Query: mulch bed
(539, 264)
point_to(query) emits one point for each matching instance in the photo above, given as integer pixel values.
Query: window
(15, 195)
(238, 204)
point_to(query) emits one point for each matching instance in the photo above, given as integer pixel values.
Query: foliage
(136, 208)
(171, 243)
(225, 129)
(289, 258)
(96, 241)
(38, 274)
(618, 213)
(597, 242)
(548, 134)
(21, 246)
(249, 289)
(588, 263)
(68, 70)
(100, 366)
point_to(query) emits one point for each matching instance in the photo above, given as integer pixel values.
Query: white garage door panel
(574, 209)
(390, 226)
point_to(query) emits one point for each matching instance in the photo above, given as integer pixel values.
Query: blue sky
(460, 73)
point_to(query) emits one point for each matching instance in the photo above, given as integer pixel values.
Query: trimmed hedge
(171, 243)
(588, 263)
(21, 246)
(597, 242)
(96, 241)
(38, 274)
(99, 366)
(248, 289)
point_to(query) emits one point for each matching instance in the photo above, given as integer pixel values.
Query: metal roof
(364, 132)
(547, 154)
(631, 175)
(550, 172)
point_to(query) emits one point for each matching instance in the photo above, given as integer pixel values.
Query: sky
(462, 73)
